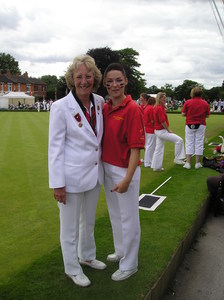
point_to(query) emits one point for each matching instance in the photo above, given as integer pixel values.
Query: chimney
(25, 74)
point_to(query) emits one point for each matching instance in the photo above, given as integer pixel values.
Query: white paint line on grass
(161, 185)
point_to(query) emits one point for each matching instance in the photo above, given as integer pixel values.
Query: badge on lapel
(78, 119)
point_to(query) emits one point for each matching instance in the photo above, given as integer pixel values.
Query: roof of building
(35, 80)
(20, 79)
(4, 79)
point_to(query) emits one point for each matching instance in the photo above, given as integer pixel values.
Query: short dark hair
(115, 67)
(151, 100)
(144, 96)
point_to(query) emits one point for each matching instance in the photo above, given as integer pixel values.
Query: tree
(61, 87)
(215, 93)
(168, 89)
(136, 84)
(153, 90)
(51, 81)
(7, 62)
(184, 90)
(104, 56)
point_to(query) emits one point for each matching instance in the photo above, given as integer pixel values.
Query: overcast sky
(176, 40)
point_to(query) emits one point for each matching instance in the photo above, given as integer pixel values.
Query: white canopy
(14, 98)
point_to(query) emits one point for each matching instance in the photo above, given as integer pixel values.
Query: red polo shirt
(123, 130)
(149, 119)
(196, 110)
(160, 116)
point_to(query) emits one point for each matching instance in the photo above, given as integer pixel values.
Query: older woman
(75, 167)
(163, 133)
(196, 110)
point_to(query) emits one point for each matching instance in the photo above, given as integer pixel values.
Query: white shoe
(158, 170)
(142, 159)
(179, 162)
(113, 257)
(81, 279)
(198, 165)
(122, 275)
(187, 166)
(95, 264)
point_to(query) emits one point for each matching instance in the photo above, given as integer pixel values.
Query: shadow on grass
(161, 233)
(45, 278)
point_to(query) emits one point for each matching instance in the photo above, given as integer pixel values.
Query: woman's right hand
(60, 195)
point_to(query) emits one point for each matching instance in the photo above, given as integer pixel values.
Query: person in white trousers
(123, 138)
(196, 110)
(75, 166)
(150, 137)
(163, 133)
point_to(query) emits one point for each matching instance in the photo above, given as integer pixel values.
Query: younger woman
(122, 141)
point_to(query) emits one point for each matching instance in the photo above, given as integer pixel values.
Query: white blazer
(74, 151)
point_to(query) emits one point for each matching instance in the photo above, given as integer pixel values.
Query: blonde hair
(196, 92)
(89, 62)
(159, 96)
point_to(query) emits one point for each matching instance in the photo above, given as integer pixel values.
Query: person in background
(196, 110)
(123, 138)
(222, 105)
(75, 166)
(215, 105)
(143, 103)
(38, 106)
(214, 183)
(143, 100)
(163, 133)
(150, 138)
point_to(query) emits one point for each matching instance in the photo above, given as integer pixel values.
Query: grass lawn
(30, 255)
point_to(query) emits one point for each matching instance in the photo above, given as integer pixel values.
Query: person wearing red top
(143, 100)
(196, 110)
(143, 103)
(123, 138)
(150, 138)
(163, 133)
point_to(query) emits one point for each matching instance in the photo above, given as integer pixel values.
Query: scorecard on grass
(150, 202)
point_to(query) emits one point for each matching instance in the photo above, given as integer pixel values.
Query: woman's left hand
(121, 187)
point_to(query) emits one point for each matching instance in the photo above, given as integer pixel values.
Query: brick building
(22, 83)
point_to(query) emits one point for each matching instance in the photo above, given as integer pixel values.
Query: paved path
(201, 275)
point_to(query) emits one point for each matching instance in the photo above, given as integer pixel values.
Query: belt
(193, 126)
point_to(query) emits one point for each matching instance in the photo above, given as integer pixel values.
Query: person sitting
(214, 185)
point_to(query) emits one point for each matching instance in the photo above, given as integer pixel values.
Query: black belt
(193, 126)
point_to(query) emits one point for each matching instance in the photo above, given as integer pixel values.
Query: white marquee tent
(13, 98)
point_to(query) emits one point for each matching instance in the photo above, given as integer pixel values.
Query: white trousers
(150, 144)
(77, 220)
(194, 140)
(162, 136)
(124, 215)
